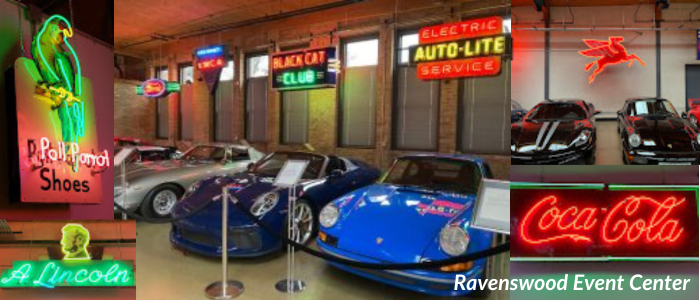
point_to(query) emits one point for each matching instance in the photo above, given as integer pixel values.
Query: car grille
(242, 239)
(200, 238)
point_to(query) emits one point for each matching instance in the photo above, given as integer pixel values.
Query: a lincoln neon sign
(75, 270)
(599, 221)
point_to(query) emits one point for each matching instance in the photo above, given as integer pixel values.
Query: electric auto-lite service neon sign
(472, 48)
(598, 221)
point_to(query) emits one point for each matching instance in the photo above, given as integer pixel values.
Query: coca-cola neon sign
(604, 222)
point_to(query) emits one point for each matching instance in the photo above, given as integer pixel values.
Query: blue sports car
(326, 178)
(419, 211)
(516, 111)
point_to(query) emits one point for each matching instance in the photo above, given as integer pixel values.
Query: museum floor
(167, 274)
(609, 145)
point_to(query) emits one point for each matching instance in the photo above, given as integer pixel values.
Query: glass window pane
(407, 41)
(227, 72)
(258, 66)
(186, 75)
(363, 53)
(162, 73)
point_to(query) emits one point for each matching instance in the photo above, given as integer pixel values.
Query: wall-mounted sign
(75, 270)
(609, 53)
(210, 61)
(305, 69)
(156, 88)
(603, 222)
(473, 48)
(53, 151)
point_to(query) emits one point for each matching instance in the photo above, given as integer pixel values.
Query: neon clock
(608, 53)
(599, 222)
(473, 48)
(77, 269)
(53, 113)
(156, 88)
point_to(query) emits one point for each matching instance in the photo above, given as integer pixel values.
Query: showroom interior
(374, 109)
(550, 36)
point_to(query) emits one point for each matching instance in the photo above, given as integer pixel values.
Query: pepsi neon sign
(599, 222)
(156, 88)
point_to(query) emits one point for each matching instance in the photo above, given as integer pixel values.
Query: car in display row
(325, 178)
(555, 132)
(653, 133)
(153, 188)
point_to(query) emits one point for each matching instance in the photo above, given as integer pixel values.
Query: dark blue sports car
(419, 211)
(516, 111)
(326, 178)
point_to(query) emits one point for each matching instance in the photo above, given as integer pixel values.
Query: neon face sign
(156, 88)
(608, 53)
(554, 222)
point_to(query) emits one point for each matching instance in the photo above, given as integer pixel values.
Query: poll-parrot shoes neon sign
(75, 270)
(604, 221)
(608, 53)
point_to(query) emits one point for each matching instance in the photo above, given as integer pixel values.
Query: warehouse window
(162, 116)
(416, 103)
(223, 106)
(483, 113)
(295, 117)
(186, 107)
(256, 98)
(186, 74)
(358, 95)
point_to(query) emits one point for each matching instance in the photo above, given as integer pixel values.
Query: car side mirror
(519, 114)
(619, 113)
(597, 112)
(685, 116)
(249, 167)
(335, 174)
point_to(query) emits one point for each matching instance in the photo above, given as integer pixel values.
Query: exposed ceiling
(555, 3)
(93, 17)
(138, 20)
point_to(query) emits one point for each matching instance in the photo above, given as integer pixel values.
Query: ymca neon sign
(604, 221)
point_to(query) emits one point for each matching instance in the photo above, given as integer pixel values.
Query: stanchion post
(123, 197)
(291, 285)
(224, 289)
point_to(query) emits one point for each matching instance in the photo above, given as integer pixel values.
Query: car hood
(664, 132)
(163, 169)
(526, 135)
(245, 187)
(395, 224)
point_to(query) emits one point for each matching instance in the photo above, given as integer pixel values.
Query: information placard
(492, 211)
(291, 173)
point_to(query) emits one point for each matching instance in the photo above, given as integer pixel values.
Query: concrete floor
(609, 144)
(167, 274)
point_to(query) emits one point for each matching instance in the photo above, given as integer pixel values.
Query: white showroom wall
(567, 77)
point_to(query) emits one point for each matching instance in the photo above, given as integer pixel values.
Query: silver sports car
(153, 188)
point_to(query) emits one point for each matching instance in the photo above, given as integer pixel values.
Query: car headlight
(264, 204)
(329, 216)
(193, 188)
(582, 138)
(454, 240)
(635, 140)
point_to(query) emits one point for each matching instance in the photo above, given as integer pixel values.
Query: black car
(555, 132)
(653, 133)
(516, 111)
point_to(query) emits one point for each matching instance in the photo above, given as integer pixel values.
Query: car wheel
(160, 201)
(305, 221)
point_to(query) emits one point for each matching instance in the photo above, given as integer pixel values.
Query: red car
(694, 113)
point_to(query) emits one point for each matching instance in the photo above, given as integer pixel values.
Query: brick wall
(134, 116)
(375, 18)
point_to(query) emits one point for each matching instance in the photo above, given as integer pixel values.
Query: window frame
(280, 96)
(341, 83)
(246, 57)
(395, 92)
(180, 67)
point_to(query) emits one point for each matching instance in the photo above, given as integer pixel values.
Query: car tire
(590, 160)
(160, 201)
(304, 206)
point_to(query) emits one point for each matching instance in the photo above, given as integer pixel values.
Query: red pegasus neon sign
(623, 223)
(608, 53)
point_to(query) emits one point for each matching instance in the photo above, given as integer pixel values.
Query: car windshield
(436, 174)
(653, 107)
(273, 163)
(205, 153)
(557, 111)
(514, 105)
